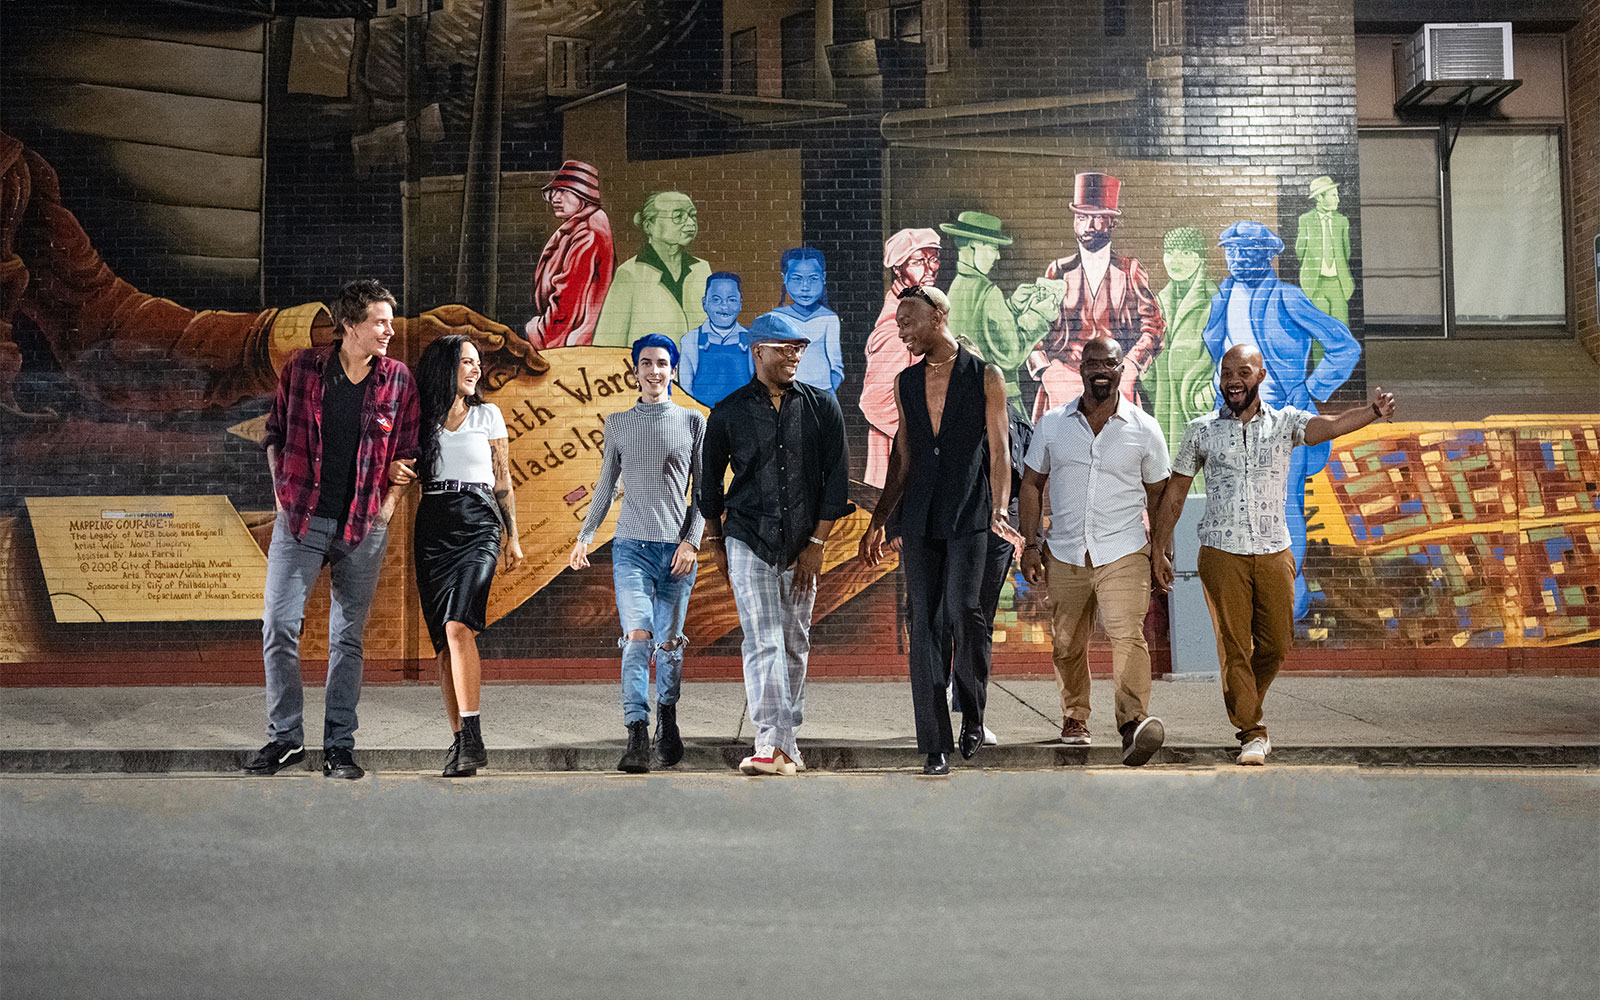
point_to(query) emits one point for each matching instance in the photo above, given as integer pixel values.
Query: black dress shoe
(937, 763)
(971, 739)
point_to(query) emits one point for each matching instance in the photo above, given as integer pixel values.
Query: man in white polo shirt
(1106, 463)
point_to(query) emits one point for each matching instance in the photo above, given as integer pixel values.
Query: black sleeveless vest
(947, 485)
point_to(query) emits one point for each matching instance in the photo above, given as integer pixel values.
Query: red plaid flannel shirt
(390, 418)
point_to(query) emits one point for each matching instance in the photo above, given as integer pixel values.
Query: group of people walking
(349, 429)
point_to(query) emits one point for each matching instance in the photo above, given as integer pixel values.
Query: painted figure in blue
(805, 277)
(715, 358)
(1253, 307)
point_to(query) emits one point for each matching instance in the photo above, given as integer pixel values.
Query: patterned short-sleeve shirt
(1247, 476)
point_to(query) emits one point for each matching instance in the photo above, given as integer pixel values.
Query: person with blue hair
(804, 305)
(716, 354)
(653, 450)
(1253, 308)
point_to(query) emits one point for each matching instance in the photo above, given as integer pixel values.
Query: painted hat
(769, 328)
(976, 226)
(1321, 184)
(1095, 194)
(1250, 234)
(578, 177)
(906, 242)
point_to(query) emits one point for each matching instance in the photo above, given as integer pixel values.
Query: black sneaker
(669, 745)
(636, 759)
(1141, 740)
(339, 762)
(273, 758)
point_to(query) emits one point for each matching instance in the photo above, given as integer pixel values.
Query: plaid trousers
(777, 638)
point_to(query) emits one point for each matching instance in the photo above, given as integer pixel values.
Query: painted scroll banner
(139, 559)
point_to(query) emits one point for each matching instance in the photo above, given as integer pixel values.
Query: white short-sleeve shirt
(464, 452)
(1097, 481)
(1247, 475)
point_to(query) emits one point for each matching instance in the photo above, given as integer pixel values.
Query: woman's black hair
(437, 375)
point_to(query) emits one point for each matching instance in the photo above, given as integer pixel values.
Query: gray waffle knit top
(654, 449)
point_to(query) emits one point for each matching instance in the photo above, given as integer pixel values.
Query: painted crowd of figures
(1171, 338)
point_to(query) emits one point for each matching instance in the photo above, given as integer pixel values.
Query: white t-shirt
(464, 452)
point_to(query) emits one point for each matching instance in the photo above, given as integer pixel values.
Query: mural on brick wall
(166, 238)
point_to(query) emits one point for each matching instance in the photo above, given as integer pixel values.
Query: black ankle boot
(669, 745)
(473, 753)
(636, 759)
(453, 768)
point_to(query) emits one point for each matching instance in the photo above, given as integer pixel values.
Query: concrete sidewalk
(1518, 721)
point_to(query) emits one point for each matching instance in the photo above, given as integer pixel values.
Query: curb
(714, 756)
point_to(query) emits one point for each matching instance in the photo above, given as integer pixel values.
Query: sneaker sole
(1244, 761)
(1075, 741)
(1146, 741)
(299, 758)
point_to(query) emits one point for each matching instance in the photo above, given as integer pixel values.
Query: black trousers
(949, 631)
(996, 567)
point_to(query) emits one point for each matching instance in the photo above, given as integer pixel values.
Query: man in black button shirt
(785, 442)
(951, 477)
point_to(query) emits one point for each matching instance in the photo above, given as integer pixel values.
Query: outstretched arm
(1329, 426)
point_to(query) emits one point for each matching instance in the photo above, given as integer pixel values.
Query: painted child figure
(805, 278)
(715, 356)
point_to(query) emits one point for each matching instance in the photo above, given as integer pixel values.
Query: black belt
(457, 486)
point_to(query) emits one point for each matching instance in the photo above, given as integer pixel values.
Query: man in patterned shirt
(1246, 565)
(342, 414)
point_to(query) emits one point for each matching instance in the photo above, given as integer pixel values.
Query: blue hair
(795, 256)
(655, 340)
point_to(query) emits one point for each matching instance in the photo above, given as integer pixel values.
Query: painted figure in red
(574, 270)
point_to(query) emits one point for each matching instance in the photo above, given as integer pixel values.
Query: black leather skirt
(458, 546)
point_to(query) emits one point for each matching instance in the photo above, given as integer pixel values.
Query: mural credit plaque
(139, 559)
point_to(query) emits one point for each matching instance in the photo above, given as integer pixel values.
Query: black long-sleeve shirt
(790, 468)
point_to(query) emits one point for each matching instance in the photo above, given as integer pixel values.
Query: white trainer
(767, 760)
(1254, 753)
(989, 738)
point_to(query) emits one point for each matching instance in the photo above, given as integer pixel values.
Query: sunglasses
(792, 350)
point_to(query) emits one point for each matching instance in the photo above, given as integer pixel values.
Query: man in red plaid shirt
(341, 415)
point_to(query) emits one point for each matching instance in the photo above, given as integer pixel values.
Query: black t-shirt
(342, 401)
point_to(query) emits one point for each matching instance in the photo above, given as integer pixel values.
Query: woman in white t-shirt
(466, 507)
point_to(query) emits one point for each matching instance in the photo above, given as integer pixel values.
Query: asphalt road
(1209, 882)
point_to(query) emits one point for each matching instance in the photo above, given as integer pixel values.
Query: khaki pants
(1252, 607)
(1121, 591)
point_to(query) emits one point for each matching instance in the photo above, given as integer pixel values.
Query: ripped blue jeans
(649, 599)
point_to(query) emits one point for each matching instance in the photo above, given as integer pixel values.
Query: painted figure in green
(1322, 242)
(1179, 380)
(979, 312)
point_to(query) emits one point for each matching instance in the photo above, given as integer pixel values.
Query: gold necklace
(940, 364)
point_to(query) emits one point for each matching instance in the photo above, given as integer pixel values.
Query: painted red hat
(1095, 194)
(578, 177)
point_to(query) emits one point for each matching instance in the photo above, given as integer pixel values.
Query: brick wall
(360, 143)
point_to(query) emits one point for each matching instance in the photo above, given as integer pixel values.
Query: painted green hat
(1321, 184)
(976, 226)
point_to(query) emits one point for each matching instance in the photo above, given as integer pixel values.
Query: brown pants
(1252, 606)
(1122, 593)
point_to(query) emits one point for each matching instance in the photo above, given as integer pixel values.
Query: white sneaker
(767, 760)
(989, 738)
(798, 761)
(1254, 753)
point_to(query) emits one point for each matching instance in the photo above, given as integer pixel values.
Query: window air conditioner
(1468, 51)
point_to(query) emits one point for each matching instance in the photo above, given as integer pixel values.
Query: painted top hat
(976, 226)
(1095, 194)
(578, 177)
(1323, 184)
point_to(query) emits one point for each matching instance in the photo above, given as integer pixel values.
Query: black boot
(473, 753)
(452, 764)
(669, 745)
(636, 759)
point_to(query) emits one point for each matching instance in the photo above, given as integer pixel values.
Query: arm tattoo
(499, 451)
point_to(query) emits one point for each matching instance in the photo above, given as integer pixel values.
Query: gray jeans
(293, 565)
